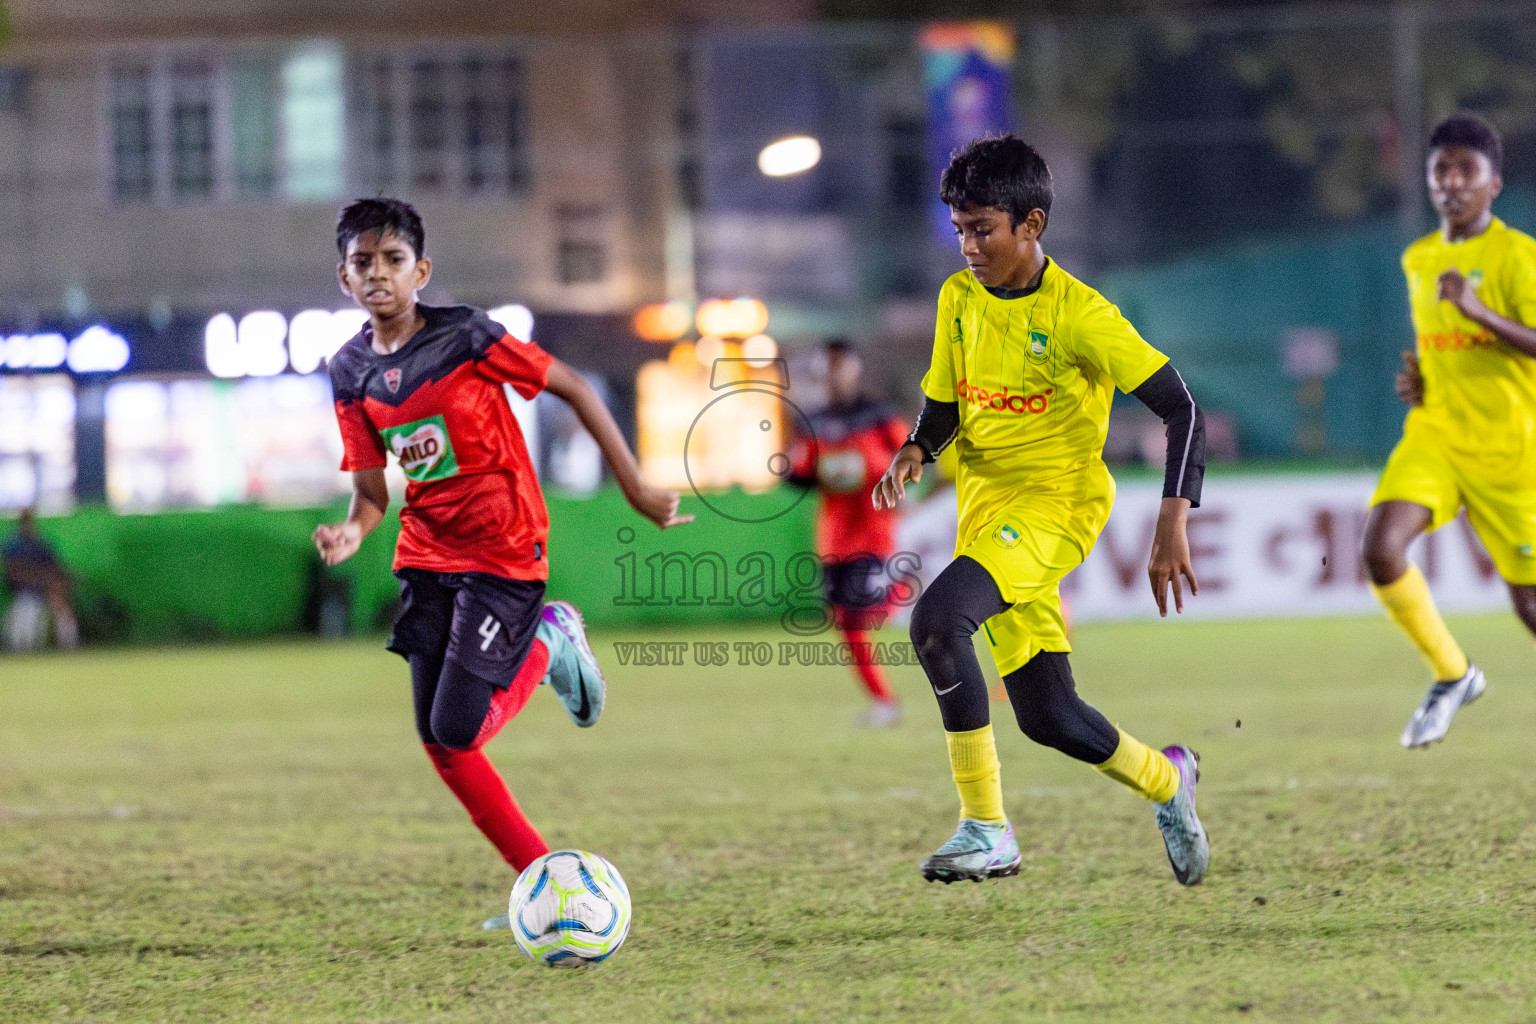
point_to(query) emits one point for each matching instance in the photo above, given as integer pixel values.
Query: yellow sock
(1409, 604)
(1146, 771)
(978, 775)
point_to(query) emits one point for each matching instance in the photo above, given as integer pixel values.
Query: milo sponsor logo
(423, 448)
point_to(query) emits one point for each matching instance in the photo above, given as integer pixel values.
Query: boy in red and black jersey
(427, 384)
(853, 440)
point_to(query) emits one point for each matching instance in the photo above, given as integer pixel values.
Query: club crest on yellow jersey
(1039, 346)
(1006, 535)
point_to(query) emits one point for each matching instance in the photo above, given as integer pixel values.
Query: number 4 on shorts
(488, 629)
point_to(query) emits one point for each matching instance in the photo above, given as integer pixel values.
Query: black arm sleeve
(1166, 394)
(937, 426)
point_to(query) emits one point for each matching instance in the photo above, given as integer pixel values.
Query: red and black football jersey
(851, 448)
(472, 501)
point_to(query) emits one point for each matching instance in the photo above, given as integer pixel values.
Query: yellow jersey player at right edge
(1471, 440)
(1026, 360)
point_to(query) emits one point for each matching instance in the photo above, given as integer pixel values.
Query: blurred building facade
(192, 155)
(1235, 179)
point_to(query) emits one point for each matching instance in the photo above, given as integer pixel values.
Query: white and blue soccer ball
(570, 908)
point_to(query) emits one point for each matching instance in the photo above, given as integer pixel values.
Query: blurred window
(263, 120)
(581, 255)
(133, 137)
(452, 122)
(253, 121)
(377, 110)
(314, 122)
(495, 148)
(37, 442)
(191, 130)
(429, 124)
(254, 127)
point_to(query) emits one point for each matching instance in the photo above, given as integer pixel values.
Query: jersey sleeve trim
(1154, 362)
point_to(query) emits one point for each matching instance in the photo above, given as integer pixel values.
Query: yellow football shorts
(1504, 517)
(1027, 553)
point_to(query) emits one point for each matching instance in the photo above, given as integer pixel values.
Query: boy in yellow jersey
(1471, 440)
(1026, 360)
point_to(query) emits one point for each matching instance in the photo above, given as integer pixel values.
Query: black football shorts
(484, 622)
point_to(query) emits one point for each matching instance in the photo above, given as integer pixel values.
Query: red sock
(505, 704)
(477, 783)
(871, 674)
(479, 787)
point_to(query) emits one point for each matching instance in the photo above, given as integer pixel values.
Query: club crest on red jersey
(392, 379)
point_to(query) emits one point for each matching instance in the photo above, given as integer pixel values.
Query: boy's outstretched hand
(1170, 556)
(338, 543)
(906, 467)
(658, 505)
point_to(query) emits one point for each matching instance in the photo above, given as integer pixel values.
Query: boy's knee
(455, 732)
(931, 622)
(1384, 562)
(1524, 600)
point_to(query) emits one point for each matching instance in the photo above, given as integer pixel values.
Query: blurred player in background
(425, 383)
(1026, 360)
(853, 439)
(1470, 439)
(39, 588)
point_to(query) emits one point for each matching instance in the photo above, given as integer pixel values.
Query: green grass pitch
(253, 834)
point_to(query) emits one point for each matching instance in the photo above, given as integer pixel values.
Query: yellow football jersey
(1034, 377)
(1479, 394)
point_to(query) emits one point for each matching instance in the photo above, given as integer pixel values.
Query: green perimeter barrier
(247, 571)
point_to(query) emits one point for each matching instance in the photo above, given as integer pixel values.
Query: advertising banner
(1262, 546)
(968, 70)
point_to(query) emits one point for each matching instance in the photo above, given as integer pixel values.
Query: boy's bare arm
(657, 505)
(370, 500)
(1457, 290)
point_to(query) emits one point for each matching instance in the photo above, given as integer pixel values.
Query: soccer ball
(569, 908)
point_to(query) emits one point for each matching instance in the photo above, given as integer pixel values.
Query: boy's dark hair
(384, 215)
(1471, 131)
(839, 345)
(1003, 172)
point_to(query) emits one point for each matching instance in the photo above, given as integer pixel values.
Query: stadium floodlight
(221, 347)
(516, 318)
(261, 335)
(98, 350)
(794, 155)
